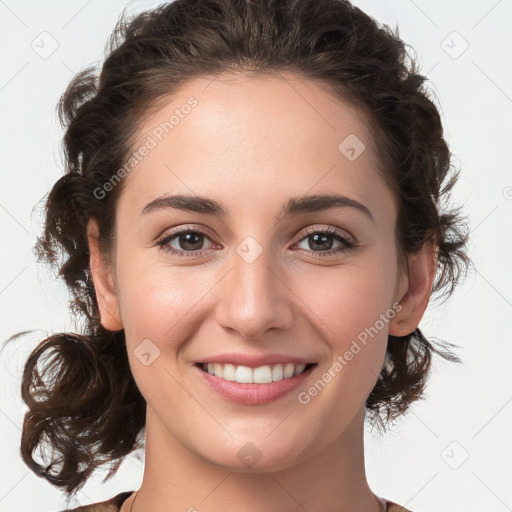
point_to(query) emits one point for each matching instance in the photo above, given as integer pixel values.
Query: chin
(257, 454)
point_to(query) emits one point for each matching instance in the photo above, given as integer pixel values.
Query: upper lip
(253, 361)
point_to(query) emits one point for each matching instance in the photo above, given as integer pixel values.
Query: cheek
(159, 304)
(347, 300)
(157, 300)
(343, 302)
(352, 313)
(351, 309)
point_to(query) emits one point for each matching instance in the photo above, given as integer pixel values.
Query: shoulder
(395, 507)
(111, 505)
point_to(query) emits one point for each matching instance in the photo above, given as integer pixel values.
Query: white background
(468, 404)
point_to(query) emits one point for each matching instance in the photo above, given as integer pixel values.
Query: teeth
(242, 374)
(277, 373)
(299, 369)
(261, 375)
(229, 372)
(288, 370)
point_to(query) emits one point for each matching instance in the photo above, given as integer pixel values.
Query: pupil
(189, 238)
(322, 237)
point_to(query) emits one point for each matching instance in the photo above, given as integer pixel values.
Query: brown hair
(84, 401)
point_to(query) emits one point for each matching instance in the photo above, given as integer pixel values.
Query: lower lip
(253, 394)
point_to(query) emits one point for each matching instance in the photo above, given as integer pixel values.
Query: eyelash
(348, 244)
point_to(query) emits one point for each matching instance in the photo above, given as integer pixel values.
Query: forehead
(241, 135)
(254, 108)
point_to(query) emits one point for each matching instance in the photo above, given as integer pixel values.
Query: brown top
(114, 505)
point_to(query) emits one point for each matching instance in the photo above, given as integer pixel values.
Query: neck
(332, 480)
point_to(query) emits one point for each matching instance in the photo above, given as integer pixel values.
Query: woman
(251, 224)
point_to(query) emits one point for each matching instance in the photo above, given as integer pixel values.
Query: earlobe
(106, 294)
(418, 285)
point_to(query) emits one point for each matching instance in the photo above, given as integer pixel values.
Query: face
(260, 289)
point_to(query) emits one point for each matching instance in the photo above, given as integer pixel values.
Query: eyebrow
(294, 206)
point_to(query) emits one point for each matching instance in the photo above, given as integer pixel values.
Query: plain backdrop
(452, 451)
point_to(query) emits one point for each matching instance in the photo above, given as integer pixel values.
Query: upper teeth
(260, 375)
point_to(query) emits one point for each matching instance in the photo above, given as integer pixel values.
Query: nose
(254, 298)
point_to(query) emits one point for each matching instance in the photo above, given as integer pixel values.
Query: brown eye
(184, 241)
(322, 241)
(190, 241)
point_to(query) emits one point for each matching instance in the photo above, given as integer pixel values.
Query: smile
(253, 386)
(260, 375)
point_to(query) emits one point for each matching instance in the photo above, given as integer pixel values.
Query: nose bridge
(254, 298)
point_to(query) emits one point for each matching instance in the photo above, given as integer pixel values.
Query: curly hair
(82, 398)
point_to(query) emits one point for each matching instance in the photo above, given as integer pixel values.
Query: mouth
(260, 375)
(253, 385)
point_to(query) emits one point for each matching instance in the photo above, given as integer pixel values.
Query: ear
(106, 294)
(414, 290)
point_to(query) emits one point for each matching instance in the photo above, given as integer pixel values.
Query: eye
(322, 239)
(187, 240)
(190, 242)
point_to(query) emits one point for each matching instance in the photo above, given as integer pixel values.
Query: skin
(252, 143)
